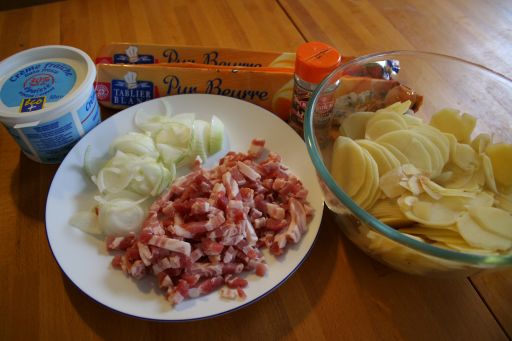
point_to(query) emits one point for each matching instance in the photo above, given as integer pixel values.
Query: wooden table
(338, 293)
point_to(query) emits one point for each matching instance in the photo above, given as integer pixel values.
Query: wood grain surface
(338, 293)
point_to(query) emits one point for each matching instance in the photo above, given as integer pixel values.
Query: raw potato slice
(437, 192)
(436, 137)
(482, 199)
(450, 235)
(413, 121)
(427, 211)
(501, 159)
(410, 146)
(481, 142)
(389, 183)
(378, 128)
(465, 247)
(399, 108)
(383, 122)
(354, 125)
(348, 166)
(465, 157)
(493, 220)
(452, 141)
(454, 177)
(386, 161)
(486, 165)
(367, 194)
(476, 236)
(396, 153)
(449, 121)
(434, 153)
(389, 213)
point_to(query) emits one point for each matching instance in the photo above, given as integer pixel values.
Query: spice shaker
(314, 61)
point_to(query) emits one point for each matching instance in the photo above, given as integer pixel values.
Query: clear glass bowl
(443, 81)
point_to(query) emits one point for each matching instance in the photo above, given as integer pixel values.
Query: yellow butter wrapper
(128, 53)
(121, 86)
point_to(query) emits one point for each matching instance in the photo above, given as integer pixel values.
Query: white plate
(84, 259)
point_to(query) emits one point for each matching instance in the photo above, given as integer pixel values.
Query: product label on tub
(89, 113)
(53, 140)
(36, 85)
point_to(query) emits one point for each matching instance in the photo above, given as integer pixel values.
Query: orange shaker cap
(315, 60)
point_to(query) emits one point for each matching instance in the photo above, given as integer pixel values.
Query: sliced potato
(501, 159)
(481, 142)
(436, 137)
(413, 121)
(389, 183)
(493, 220)
(434, 153)
(386, 161)
(449, 121)
(412, 147)
(452, 142)
(389, 213)
(476, 236)
(377, 128)
(465, 157)
(454, 177)
(396, 153)
(348, 166)
(427, 211)
(399, 108)
(486, 165)
(365, 196)
(355, 124)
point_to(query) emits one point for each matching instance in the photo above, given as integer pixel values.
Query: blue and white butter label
(120, 58)
(122, 94)
(30, 88)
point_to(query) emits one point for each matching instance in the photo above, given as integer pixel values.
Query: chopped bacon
(120, 243)
(275, 211)
(137, 269)
(233, 281)
(256, 148)
(196, 255)
(261, 269)
(200, 206)
(145, 253)
(170, 244)
(211, 225)
(231, 185)
(211, 248)
(248, 172)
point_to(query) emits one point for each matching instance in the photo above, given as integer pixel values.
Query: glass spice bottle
(314, 61)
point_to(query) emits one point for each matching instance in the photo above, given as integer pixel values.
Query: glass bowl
(442, 81)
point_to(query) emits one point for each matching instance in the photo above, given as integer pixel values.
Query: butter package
(121, 86)
(127, 53)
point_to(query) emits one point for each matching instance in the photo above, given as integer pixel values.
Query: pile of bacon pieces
(210, 225)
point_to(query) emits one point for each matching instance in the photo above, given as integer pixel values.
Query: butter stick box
(121, 86)
(130, 53)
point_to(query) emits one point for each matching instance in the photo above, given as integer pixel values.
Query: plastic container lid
(315, 60)
(50, 75)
